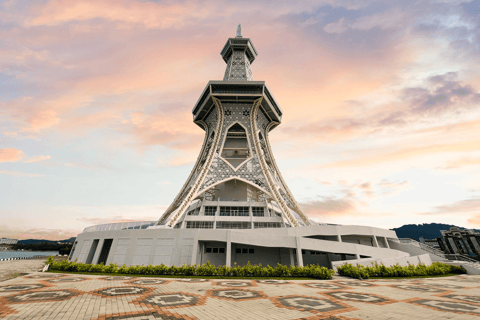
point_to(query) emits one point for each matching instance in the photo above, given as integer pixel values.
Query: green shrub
(50, 259)
(436, 268)
(209, 269)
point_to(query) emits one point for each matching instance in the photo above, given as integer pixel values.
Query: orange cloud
(43, 119)
(475, 220)
(10, 155)
(37, 158)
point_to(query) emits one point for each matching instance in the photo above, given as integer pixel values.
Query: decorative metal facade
(237, 114)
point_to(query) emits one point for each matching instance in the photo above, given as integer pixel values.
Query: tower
(235, 183)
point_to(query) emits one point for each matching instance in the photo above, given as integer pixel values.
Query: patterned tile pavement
(71, 297)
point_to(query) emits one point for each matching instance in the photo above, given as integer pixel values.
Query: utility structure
(235, 172)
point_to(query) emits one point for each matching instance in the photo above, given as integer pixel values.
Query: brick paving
(73, 297)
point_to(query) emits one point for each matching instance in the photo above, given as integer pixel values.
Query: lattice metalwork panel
(251, 170)
(238, 68)
(262, 122)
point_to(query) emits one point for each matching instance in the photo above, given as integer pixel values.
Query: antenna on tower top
(239, 31)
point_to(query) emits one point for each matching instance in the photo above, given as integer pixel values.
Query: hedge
(362, 272)
(207, 269)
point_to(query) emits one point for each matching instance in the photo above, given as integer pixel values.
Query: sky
(381, 103)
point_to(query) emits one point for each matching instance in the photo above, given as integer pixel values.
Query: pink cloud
(10, 155)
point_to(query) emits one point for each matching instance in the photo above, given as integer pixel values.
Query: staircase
(435, 254)
(471, 268)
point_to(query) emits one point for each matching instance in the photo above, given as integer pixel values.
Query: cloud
(90, 165)
(462, 162)
(10, 134)
(129, 13)
(37, 233)
(405, 153)
(475, 220)
(441, 98)
(466, 206)
(389, 187)
(20, 174)
(10, 155)
(338, 26)
(37, 158)
(444, 94)
(329, 206)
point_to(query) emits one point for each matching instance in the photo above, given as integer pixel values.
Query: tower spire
(239, 31)
(239, 53)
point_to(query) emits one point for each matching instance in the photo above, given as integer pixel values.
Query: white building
(235, 206)
(8, 241)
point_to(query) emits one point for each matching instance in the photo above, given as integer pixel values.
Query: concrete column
(292, 258)
(475, 244)
(216, 214)
(299, 252)
(375, 242)
(454, 246)
(386, 242)
(97, 251)
(339, 238)
(194, 250)
(228, 261)
(357, 256)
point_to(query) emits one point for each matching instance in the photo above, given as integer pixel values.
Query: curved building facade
(235, 206)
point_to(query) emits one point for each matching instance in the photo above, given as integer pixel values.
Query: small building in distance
(460, 241)
(4, 241)
(430, 242)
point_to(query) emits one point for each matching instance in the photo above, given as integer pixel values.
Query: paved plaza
(66, 296)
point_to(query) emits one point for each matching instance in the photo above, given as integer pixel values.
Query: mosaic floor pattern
(66, 296)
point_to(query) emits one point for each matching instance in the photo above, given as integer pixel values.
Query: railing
(120, 226)
(457, 257)
(460, 257)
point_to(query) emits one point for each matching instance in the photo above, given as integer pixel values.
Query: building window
(178, 225)
(210, 211)
(258, 225)
(234, 211)
(214, 250)
(233, 225)
(194, 212)
(258, 211)
(199, 224)
(245, 250)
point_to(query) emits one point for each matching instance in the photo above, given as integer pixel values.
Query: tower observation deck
(235, 183)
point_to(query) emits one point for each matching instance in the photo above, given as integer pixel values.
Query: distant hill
(33, 241)
(426, 230)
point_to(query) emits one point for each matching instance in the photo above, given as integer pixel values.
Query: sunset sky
(381, 103)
